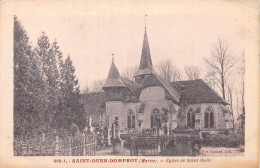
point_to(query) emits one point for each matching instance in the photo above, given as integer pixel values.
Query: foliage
(46, 92)
(220, 63)
(94, 106)
(223, 140)
(169, 71)
(129, 72)
(193, 72)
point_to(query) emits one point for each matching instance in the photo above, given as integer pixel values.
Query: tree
(210, 80)
(49, 55)
(97, 85)
(46, 91)
(86, 90)
(241, 88)
(230, 90)
(22, 75)
(192, 72)
(73, 111)
(29, 86)
(168, 71)
(241, 73)
(129, 72)
(221, 63)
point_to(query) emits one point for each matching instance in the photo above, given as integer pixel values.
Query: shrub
(222, 140)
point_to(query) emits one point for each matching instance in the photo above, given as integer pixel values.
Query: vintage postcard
(129, 83)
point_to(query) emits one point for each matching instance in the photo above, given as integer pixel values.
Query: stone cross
(90, 121)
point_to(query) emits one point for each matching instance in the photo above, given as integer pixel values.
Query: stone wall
(152, 93)
(200, 109)
(115, 109)
(151, 98)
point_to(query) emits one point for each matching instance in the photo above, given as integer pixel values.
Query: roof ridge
(186, 80)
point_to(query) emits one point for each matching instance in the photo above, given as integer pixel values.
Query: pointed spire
(113, 72)
(146, 61)
(113, 78)
(146, 66)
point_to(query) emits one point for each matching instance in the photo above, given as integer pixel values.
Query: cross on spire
(113, 57)
(145, 20)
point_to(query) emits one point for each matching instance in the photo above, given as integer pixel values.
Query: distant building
(152, 102)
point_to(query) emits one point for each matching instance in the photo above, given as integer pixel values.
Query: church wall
(173, 123)
(149, 107)
(134, 107)
(200, 109)
(152, 93)
(115, 109)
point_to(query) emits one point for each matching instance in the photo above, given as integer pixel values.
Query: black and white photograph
(151, 79)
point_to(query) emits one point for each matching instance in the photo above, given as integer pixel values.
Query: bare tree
(210, 80)
(230, 90)
(96, 85)
(129, 72)
(221, 63)
(192, 72)
(86, 90)
(241, 73)
(168, 71)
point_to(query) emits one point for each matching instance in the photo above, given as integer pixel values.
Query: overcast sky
(184, 34)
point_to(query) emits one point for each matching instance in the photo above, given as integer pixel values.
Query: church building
(151, 102)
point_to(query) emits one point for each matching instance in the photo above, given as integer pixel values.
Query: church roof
(146, 66)
(169, 88)
(113, 79)
(133, 86)
(197, 91)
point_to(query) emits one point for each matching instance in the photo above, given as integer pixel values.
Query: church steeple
(146, 61)
(113, 79)
(146, 66)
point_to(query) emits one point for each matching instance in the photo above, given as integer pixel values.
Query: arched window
(192, 120)
(156, 118)
(188, 119)
(209, 118)
(130, 119)
(206, 119)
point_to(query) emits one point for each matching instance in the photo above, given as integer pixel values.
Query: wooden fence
(81, 145)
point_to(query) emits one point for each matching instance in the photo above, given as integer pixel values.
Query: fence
(150, 145)
(80, 145)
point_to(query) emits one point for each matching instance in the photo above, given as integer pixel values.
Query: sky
(181, 31)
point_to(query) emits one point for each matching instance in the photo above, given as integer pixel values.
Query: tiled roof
(197, 91)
